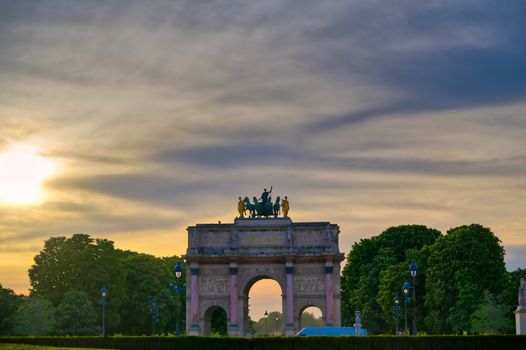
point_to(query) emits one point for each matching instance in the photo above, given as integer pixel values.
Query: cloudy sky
(157, 115)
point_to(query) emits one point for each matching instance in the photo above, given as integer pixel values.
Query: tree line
(461, 284)
(65, 294)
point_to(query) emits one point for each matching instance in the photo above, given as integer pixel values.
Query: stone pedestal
(194, 331)
(520, 313)
(289, 330)
(234, 331)
(520, 320)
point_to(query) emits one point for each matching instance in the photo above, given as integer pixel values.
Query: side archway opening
(215, 322)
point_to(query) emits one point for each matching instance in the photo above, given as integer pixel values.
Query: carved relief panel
(309, 285)
(213, 285)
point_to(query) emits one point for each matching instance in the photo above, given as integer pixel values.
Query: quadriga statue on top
(263, 206)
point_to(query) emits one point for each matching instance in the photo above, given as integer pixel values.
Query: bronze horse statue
(259, 209)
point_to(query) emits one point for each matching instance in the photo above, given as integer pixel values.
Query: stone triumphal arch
(225, 260)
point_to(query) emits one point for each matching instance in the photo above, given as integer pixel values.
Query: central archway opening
(311, 316)
(264, 308)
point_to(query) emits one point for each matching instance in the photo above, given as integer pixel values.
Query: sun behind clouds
(22, 172)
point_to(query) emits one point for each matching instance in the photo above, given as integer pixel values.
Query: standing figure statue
(276, 207)
(241, 208)
(265, 196)
(265, 206)
(285, 207)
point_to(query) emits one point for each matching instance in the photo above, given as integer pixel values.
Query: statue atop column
(263, 206)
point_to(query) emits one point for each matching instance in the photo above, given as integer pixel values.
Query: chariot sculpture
(263, 206)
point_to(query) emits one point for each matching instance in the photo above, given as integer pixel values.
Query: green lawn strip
(8, 346)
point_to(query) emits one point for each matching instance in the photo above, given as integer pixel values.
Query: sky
(154, 116)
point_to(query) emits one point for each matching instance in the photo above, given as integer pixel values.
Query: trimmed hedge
(10, 346)
(137, 343)
(499, 342)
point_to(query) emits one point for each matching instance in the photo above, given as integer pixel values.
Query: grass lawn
(7, 346)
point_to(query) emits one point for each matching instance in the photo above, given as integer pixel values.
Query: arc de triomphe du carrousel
(224, 260)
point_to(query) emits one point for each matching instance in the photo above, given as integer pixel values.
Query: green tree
(75, 315)
(490, 317)
(391, 281)
(84, 264)
(146, 276)
(251, 326)
(509, 295)
(276, 323)
(308, 319)
(461, 266)
(35, 316)
(270, 325)
(9, 303)
(219, 322)
(81, 263)
(368, 259)
(178, 298)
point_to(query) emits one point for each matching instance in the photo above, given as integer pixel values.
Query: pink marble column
(330, 294)
(194, 304)
(289, 307)
(233, 295)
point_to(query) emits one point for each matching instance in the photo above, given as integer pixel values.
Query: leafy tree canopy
(219, 322)
(369, 261)
(9, 303)
(509, 295)
(462, 265)
(490, 317)
(146, 277)
(35, 316)
(75, 315)
(308, 319)
(81, 264)
(270, 325)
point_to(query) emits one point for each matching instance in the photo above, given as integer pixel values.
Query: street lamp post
(102, 301)
(413, 269)
(266, 322)
(405, 289)
(396, 311)
(178, 269)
